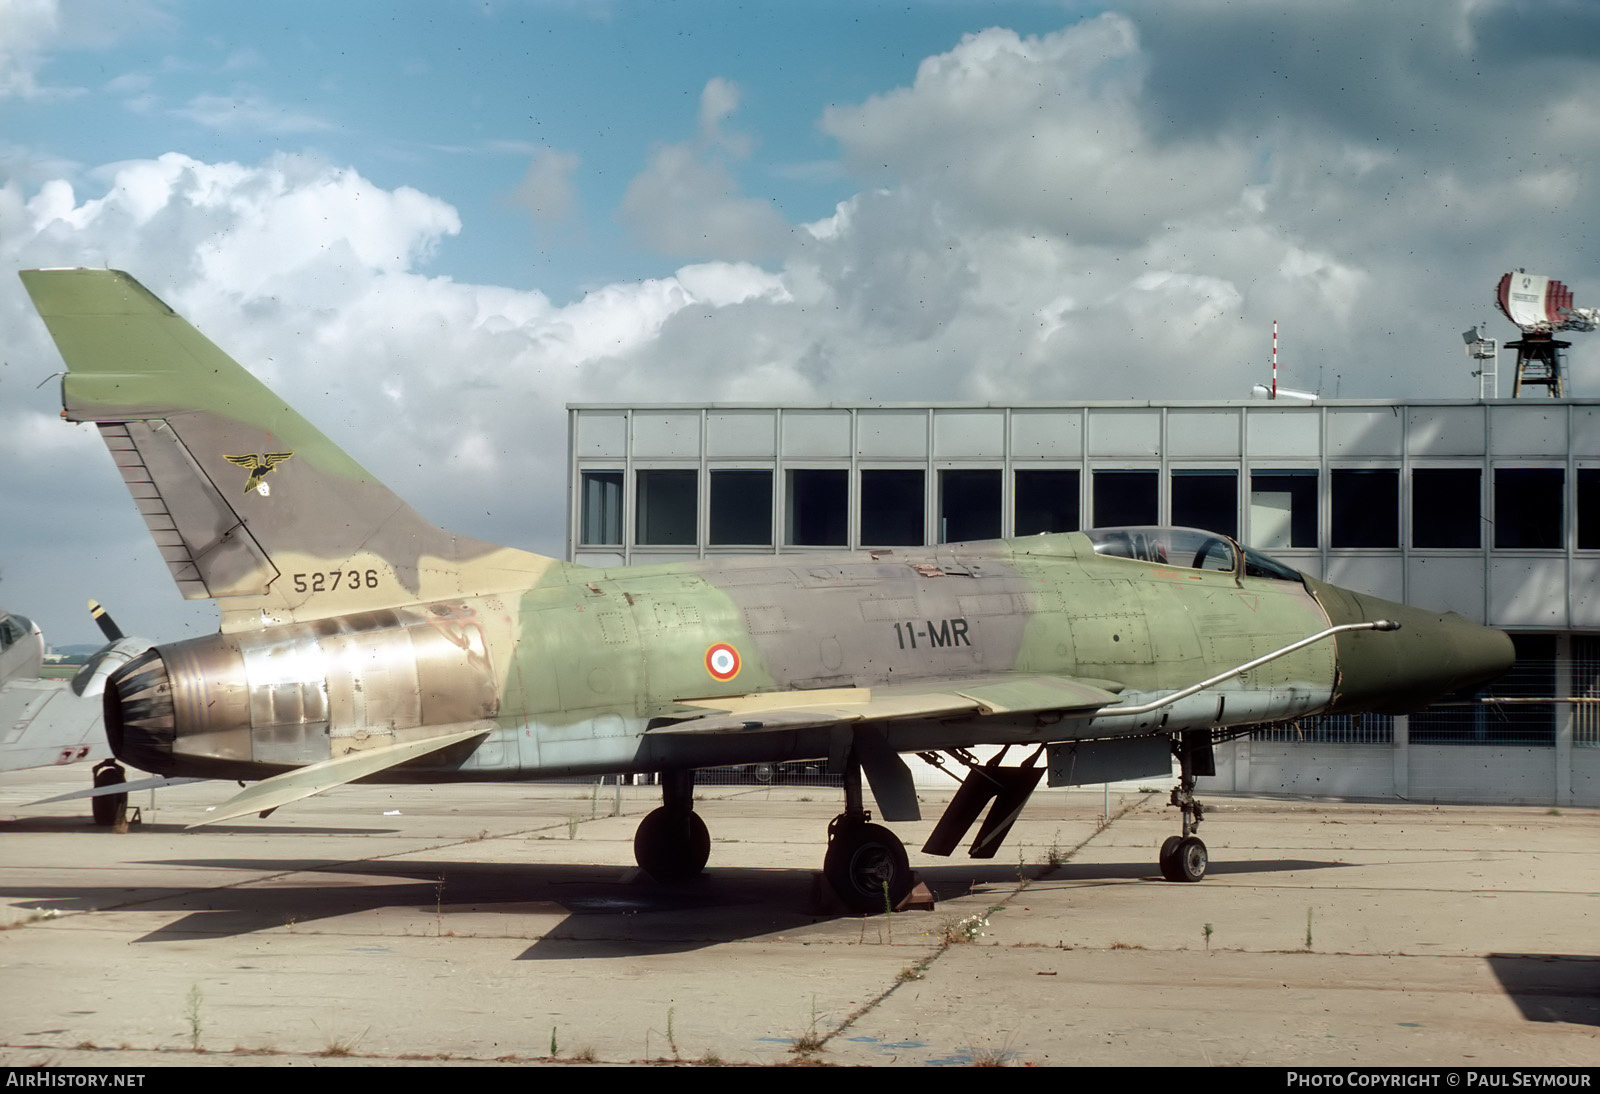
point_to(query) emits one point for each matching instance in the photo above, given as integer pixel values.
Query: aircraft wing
(302, 782)
(800, 709)
(42, 723)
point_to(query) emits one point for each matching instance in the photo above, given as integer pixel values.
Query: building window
(1445, 507)
(1588, 509)
(741, 508)
(1586, 683)
(1365, 508)
(1527, 507)
(816, 508)
(1208, 500)
(969, 505)
(665, 503)
(600, 500)
(1125, 498)
(1046, 500)
(1283, 509)
(892, 508)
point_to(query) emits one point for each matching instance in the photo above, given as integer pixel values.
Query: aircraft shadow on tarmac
(1551, 987)
(567, 911)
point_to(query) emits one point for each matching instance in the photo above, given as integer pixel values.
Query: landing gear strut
(672, 843)
(1183, 858)
(866, 864)
(108, 808)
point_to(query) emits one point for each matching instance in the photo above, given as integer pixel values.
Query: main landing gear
(1183, 858)
(108, 808)
(672, 843)
(866, 864)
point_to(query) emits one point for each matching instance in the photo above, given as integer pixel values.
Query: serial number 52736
(329, 580)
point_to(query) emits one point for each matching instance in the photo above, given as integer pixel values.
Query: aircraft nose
(1433, 653)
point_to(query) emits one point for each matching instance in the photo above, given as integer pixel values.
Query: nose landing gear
(1184, 857)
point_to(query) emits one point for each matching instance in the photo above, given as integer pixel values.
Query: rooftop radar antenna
(1276, 392)
(1541, 306)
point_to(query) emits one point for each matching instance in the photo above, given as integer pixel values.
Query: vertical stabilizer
(244, 497)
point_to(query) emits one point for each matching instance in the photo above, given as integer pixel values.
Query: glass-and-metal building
(1490, 508)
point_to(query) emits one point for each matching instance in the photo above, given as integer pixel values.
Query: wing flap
(802, 709)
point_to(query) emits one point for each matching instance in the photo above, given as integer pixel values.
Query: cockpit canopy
(1190, 548)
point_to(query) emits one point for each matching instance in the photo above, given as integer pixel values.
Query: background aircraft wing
(799, 709)
(42, 723)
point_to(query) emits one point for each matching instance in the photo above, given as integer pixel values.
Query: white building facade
(1489, 508)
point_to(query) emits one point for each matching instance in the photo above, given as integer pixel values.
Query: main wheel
(868, 868)
(1191, 860)
(108, 807)
(1169, 858)
(671, 846)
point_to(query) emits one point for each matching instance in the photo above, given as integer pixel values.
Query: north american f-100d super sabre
(359, 641)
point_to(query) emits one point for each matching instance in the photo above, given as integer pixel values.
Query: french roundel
(722, 661)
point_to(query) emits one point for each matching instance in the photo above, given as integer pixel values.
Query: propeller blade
(108, 626)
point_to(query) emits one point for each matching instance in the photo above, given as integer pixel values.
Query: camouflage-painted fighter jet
(359, 641)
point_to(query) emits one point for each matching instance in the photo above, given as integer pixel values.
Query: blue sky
(452, 98)
(431, 225)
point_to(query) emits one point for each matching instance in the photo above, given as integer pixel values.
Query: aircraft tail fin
(243, 496)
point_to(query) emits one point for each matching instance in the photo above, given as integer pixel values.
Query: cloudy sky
(430, 225)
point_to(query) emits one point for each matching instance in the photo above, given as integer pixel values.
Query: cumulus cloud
(30, 26)
(311, 275)
(546, 189)
(686, 202)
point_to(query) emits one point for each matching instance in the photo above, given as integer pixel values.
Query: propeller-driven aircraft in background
(359, 641)
(46, 723)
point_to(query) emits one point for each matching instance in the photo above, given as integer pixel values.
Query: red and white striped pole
(1274, 358)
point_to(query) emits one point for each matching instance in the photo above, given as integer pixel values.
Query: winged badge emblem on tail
(258, 465)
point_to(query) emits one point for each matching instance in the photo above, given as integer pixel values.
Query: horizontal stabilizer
(303, 782)
(156, 783)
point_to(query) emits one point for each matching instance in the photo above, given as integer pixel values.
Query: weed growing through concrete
(812, 1040)
(38, 915)
(336, 1044)
(1308, 928)
(966, 929)
(192, 1012)
(1206, 930)
(1055, 857)
(555, 1048)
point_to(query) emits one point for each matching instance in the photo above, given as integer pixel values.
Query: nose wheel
(1184, 857)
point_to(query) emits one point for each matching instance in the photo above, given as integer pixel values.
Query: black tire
(1191, 860)
(672, 847)
(867, 866)
(108, 807)
(1169, 858)
(763, 773)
